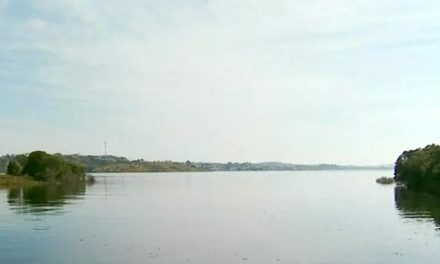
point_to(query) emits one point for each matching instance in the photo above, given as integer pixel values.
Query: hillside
(148, 166)
(93, 162)
(279, 166)
(109, 163)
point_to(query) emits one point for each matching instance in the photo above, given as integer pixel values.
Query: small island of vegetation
(40, 167)
(385, 180)
(419, 169)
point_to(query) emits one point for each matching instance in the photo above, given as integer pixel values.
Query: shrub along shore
(40, 167)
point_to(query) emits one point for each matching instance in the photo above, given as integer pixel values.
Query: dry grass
(7, 181)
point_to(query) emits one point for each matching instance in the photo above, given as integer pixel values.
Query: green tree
(45, 167)
(21, 159)
(419, 169)
(14, 168)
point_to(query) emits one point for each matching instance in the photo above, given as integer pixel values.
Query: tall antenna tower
(105, 148)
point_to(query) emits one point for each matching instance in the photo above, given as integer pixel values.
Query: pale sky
(302, 81)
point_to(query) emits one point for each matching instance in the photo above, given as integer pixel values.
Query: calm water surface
(221, 217)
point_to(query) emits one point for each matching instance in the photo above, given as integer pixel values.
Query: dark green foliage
(45, 167)
(4, 161)
(419, 169)
(385, 180)
(14, 168)
(21, 159)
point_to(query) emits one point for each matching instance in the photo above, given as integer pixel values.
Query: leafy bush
(45, 167)
(14, 168)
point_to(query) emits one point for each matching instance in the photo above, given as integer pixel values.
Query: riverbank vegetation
(9, 181)
(419, 169)
(110, 163)
(42, 167)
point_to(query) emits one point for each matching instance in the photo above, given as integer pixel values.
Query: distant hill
(279, 166)
(92, 163)
(109, 163)
(148, 166)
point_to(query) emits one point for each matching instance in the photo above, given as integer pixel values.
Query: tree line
(419, 169)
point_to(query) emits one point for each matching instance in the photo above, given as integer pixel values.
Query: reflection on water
(419, 206)
(218, 217)
(44, 199)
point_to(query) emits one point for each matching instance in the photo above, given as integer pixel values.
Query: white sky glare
(350, 82)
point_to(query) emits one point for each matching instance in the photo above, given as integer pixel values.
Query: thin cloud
(298, 81)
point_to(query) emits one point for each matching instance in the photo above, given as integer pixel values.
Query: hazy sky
(305, 81)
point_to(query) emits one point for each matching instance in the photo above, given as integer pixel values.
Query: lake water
(221, 217)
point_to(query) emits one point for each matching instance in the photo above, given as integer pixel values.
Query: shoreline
(8, 181)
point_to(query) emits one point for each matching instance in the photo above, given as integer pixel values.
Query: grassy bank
(149, 166)
(7, 181)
